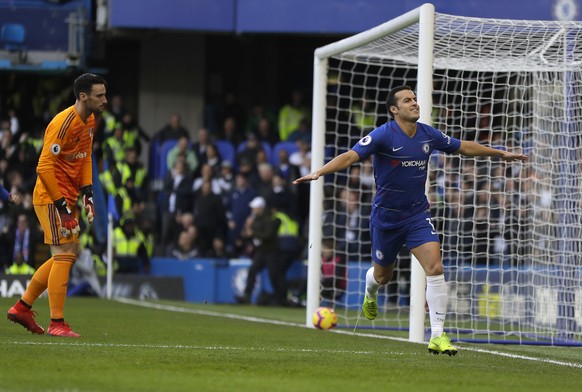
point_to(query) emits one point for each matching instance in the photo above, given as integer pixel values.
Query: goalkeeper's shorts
(48, 217)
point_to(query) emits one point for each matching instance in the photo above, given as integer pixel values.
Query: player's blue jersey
(400, 169)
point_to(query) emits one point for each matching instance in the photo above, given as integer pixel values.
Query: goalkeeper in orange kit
(64, 173)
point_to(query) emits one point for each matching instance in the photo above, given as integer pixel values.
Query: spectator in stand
(225, 180)
(238, 210)
(219, 250)
(185, 248)
(7, 145)
(25, 240)
(130, 251)
(213, 158)
(252, 146)
(132, 133)
(114, 146)
(182, 148)
(265, 132)
(284, 167)
(231, 108)
(265, 186)
(301, 160)
(207, 175)
(333, 270)
(20, 267)
(258, 113)
(25, 161)
(249, 169)
(134, 180)
(291, 115)
(367, 175)
(6, 231)
(14, 123)
(171, 131)
(200, 146)
(230, 132)
(281, 196)
(112, 115)
(303, 132)
(178, 188)
(209, 216)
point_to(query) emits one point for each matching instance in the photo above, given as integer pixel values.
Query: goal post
(423, 15)
(510, 232)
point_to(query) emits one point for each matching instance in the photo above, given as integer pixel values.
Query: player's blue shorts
(387, 243)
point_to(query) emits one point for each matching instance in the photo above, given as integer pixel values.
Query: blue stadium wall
(314, 16)
(46, 28)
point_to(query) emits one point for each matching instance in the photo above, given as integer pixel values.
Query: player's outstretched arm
(339, 163)
(472, 149)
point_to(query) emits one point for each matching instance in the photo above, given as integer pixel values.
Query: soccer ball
(324, 318)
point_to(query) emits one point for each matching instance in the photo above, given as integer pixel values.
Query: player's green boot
(442, 345)
(370, 308)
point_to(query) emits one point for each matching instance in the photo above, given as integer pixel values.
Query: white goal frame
(425, 17)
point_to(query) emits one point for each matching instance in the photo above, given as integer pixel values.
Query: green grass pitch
(177, 346)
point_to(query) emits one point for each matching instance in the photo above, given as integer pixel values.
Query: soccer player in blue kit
(400, 212)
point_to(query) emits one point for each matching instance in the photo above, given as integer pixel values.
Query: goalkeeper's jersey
(66, 152)
(400, 170)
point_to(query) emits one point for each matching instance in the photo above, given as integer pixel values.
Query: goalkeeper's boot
(61, 328)
(442, 345)
(370, 308)
(24, 316)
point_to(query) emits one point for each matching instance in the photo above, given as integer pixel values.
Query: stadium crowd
(184, 194)
(175, 193)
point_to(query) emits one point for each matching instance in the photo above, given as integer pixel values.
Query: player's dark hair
(85, 82)
(391, 99)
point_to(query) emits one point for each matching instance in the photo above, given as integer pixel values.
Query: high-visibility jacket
(126, 174)
(23, 269)
(288, 233)
(125, 246)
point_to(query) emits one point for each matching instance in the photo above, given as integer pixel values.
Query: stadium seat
(226, 150)
(54, 64)
(12, 38)
(290, 147)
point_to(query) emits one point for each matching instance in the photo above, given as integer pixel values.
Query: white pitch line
(290, 324)
(208, 348)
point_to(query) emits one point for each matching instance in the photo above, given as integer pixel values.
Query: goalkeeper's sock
(371, 285)
(57, 284)
(436, 296)
(38, 282)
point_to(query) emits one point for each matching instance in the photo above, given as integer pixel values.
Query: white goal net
(511, 234)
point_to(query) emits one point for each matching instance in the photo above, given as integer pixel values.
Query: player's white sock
(436, 296)
(371, 285)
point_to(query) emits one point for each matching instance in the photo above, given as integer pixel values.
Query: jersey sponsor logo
(56, 149)
(420, 164)
(396, 149)
(75, 155)
(366, 140)
(426, 148)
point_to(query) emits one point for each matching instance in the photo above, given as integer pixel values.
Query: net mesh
(510, 232)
